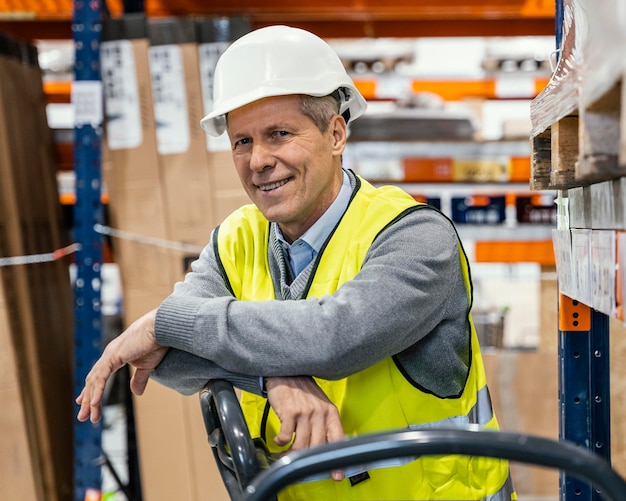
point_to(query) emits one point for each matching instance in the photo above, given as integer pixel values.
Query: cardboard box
(36, 298)
(162, 195)
(17, 475)
(214, 36)
(174, 66)
(227, 193)
(132, 172)
(524, 391)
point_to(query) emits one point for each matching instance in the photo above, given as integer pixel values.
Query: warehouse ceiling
(37, 19)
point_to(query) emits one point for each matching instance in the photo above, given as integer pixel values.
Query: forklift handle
(366, 449)
(234, 450)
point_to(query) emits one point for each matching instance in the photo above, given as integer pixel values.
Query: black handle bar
(371, 448)
(236, 454)
(244, 464)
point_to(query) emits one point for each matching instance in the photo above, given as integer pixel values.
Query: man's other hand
(135, 346)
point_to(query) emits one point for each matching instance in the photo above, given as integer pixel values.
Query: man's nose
(261, 157)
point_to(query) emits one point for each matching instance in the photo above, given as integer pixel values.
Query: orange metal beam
(57, 92)
(573, 315)
(537, 251)
(450, 90)
(328, 9)
(34, 19)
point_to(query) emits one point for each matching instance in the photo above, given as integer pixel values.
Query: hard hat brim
(214, 123)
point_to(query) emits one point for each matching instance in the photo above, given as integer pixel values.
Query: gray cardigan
(408, 301)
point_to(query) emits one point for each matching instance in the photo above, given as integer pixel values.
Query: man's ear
(339, 131)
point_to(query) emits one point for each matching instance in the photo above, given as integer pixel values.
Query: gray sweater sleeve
(410, 284)
(188, 373)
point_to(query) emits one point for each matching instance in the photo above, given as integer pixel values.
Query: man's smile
(274, 185)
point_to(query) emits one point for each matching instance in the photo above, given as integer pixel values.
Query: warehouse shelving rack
(578, 149)
(583, 381)
(583, 331)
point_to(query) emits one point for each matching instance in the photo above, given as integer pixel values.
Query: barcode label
(87, 102)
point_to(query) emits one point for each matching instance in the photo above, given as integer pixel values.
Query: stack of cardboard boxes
(168, 188)
(35, 293)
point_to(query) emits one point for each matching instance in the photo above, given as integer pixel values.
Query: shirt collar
(317, 234)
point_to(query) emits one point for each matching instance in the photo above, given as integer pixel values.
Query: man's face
(290, 170)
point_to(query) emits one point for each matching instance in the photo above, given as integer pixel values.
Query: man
(347, 306)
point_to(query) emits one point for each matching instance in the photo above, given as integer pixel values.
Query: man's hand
(306, 414)
(135, 346)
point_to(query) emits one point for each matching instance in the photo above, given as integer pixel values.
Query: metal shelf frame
(86, 30)
(584, 384)
(583, 349)
(584, 372)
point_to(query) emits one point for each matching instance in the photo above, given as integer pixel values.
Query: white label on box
(602, 261)
(394, 87)
(87, 102)
(390, 169)
(562, 212)
(208, 54)
(562, 242)
(621, 267)
(121, 95)
(170, 99)
(581, 265)
(515, 86)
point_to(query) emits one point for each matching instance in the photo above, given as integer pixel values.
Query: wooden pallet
(579, 129)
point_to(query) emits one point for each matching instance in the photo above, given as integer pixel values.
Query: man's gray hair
(319, 109)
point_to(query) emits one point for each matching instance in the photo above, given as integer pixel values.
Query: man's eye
(243, 142)
(281, 133)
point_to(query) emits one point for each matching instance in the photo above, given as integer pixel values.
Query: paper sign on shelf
(562, 242)
(121, 95)
(170, 99)
(87, 102)
(581, 265)
(208, 54)
(620, 289)
(602, 269)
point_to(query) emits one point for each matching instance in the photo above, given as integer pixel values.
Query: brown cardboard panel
(164, 458)
(227, 193)
(37, 295)
(180, 465)
(17, 478)
(524, 390)
(146, 266)
(618, 387)
(138, 163)
(158, 198)
(549, 339)
(140, 300)
(138, 207)
(185, 178)
(223, 173)
(206, 474)
(226, 201)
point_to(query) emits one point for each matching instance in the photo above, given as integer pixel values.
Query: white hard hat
(278, 61)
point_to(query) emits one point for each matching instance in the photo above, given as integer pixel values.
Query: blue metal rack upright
(584, 382)
(584, 371)
(87, 101)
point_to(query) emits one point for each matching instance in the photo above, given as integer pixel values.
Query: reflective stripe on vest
(479, 417)
(378, 398)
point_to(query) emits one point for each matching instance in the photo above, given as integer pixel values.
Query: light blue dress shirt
(307, 247)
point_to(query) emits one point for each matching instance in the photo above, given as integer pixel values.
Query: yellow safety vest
(378, 398)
